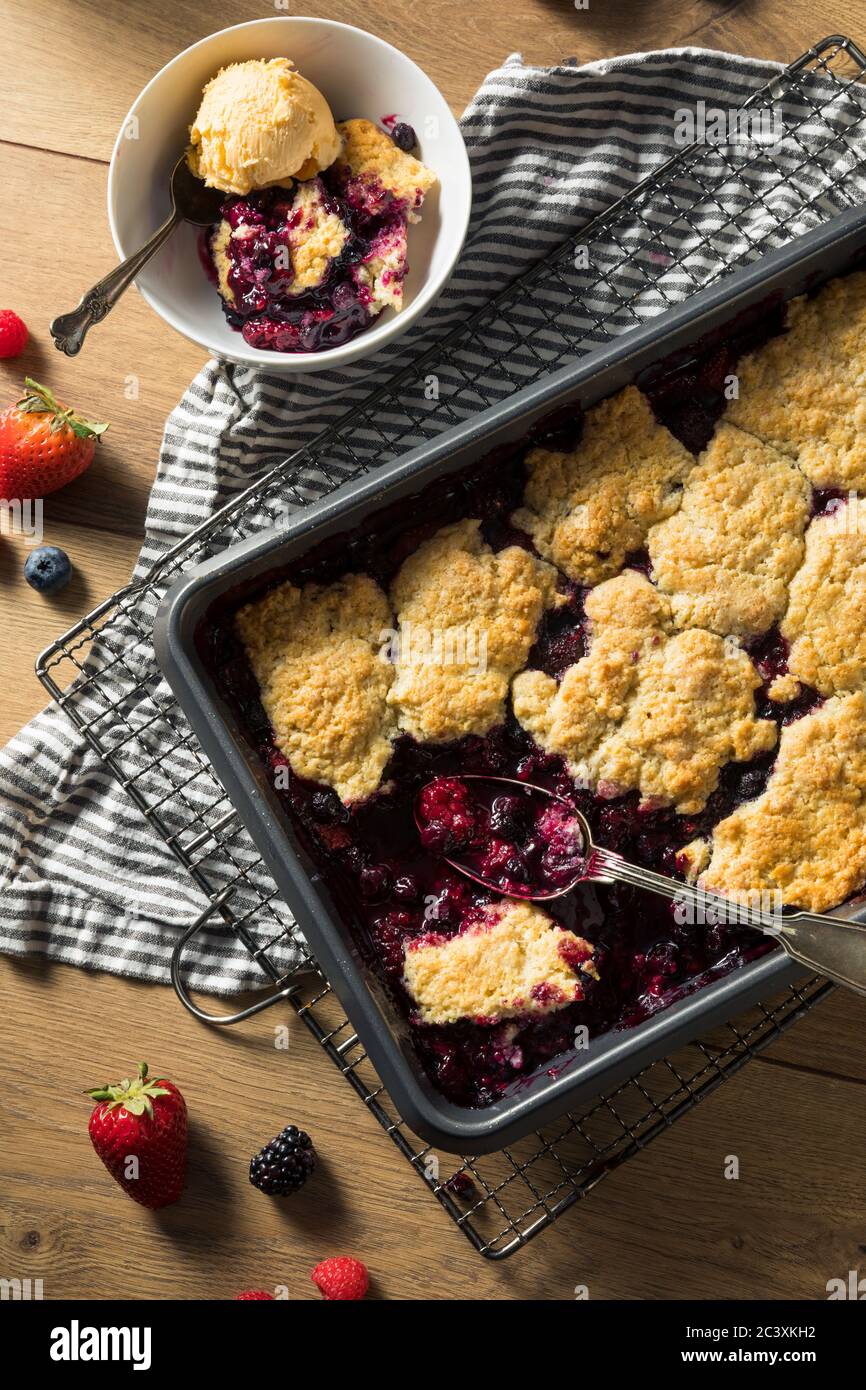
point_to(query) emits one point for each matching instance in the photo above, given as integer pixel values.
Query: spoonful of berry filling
(515, 837)
(524, 841)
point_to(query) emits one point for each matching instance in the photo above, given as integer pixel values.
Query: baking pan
(568, 1082)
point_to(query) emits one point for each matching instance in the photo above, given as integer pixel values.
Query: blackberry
(283, 1165)
(509, 816)
(327, 808)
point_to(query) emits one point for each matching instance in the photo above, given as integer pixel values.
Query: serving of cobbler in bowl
(306, 265)
(654, 609)
(346, 192)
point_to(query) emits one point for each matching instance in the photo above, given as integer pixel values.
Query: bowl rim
(365, 344)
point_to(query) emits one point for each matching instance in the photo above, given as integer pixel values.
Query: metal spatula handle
(832, 946)
(828, 945)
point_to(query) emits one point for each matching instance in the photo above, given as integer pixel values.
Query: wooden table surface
(667, 1225)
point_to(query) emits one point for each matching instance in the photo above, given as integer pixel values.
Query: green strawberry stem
(135, 1096)
(41, 401)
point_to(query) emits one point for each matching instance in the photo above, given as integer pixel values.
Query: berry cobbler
(306, 268)
(311, 244)
(655, 610)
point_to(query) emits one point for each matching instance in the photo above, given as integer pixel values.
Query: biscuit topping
(466, 619)
(647, 709)
(588, 509)
(726, 557)
(316, 234)
(803, 392)
(805, 836)
(377, 172)
(515, 960)
(315, 653)
(826, 618)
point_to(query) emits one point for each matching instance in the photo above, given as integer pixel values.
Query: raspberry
(13, 333)
(341, 1279)
(461, 1185)
(253, 1295)
(448, 817)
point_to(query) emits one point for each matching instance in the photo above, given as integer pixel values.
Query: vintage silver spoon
(833, 946)
(191, 201)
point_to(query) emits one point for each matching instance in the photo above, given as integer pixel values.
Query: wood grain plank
(828, 1041)
(132, 368)
(131, 371)
(667, 1225)
(47, 97)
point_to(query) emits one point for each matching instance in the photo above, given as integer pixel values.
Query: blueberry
(515, 869)
(47, 569)
(406, 889)
(355, 859)
(404, 136)
(374, 882)
(327, 808)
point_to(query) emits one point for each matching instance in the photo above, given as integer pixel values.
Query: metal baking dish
(243, 569)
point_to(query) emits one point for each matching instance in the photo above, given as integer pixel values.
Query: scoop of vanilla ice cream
(261, 123)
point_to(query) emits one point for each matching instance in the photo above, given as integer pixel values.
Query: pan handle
(181, 991)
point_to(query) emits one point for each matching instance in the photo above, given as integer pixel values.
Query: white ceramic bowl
(359, 75)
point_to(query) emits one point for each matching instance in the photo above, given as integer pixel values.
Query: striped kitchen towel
(83, 877)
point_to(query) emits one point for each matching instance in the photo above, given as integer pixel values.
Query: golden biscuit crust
(467, 618)
(368, 151)
(825, 622)
(316, 236)
(515, 961)
(586, 510)
(726, 558)
(647, 709)
(382, 274)
(803, 392)
(219, 249)
(627, 617)
(805, 836)
(315, 653)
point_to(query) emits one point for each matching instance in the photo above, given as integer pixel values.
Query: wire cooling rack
(709, 208)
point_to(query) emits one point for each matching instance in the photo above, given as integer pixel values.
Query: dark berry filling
(391, 890)
(827, 499)
(264, 309)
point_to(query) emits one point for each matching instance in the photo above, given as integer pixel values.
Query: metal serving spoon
(191, 202)
(833, 946)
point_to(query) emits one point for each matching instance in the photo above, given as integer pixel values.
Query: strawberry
(43, 445)
(253, 1295)
(341, 1279)
(139, 1131)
